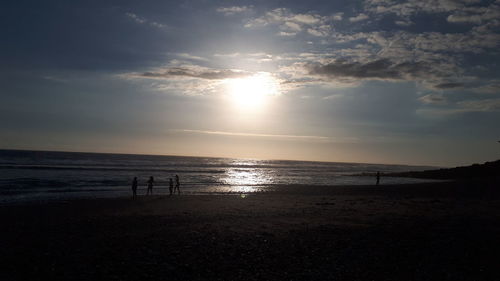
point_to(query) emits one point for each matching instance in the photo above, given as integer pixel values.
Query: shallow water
(37, 175)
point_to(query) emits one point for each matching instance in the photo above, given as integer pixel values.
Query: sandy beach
(444, 231)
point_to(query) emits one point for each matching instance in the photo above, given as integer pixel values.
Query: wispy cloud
(486, 105)
(377, 69)
(142, 20)
(191, 71)
(467, 106)
(491, 88)
(449, 85)
(234, 10)
(458, 11)
(360, 17)
(321, 31)
(190, 57)
(55, 79)
(136, 18)
(186, 79)
(290, 23)
(433, 99)
(274, 136)
(337, 16)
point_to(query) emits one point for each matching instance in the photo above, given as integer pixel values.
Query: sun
(252, 91)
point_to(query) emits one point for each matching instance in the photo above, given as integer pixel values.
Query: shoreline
(471, 187)
(11, 197)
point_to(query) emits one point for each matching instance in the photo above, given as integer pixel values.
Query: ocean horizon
(29, 175)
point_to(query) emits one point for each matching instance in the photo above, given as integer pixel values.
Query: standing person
(177, 185)
(171, 186)
(378, 178)
(134, 188)
(150, 186)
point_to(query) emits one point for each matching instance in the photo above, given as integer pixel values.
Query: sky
(373, 81)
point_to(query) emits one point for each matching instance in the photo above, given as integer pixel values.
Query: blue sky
(381, 81)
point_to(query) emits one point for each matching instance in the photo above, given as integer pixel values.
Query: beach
(430, 231)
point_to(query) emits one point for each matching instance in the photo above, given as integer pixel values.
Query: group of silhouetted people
(150, 182)
(173, 188)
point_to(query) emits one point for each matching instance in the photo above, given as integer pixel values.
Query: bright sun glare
(251, 92)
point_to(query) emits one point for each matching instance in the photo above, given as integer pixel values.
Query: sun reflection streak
(245, 180)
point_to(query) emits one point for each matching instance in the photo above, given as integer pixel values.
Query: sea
(47, 175)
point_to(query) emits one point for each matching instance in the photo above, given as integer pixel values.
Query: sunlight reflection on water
(246, 179)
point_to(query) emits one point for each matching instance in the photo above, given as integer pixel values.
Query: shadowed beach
(435, 231)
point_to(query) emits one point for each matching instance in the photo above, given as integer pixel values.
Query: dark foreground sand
(445, 231)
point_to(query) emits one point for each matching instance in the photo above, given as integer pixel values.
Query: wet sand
(445, 231)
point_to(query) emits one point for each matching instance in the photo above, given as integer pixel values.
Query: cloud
(55, 79)
(472, 84)
(360, 17)
(475, 15)
(141, 20)
(440, 54)
(455, 42)
(307, 18)
(291, 23)
(321, 31)
(449, 85)
(337, 16)
(190, 57)
(486, 105)
(492, 88)
(136, 18)
(322, 139)
(184, 78)
(317, 138)
(403, 22)
(350, 66)
(260, 57)
(284, 15)
(384, 69)
(433, 59)
(459, 11)
(291, 26)
(438, 99)
(234, 10)
(193, 72)
(284, 33)
(412, 7)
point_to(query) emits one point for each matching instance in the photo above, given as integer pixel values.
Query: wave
(100, 168)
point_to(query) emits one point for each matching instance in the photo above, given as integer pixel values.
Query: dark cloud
(210, 74)
(449, 85)
(433, 99)
(379, 69)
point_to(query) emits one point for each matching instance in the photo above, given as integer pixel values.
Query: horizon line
(223, 157)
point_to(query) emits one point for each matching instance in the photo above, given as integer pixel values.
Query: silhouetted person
(134, 188)
(378, 178)
(177, 185)
(150, 186)
(171, 186)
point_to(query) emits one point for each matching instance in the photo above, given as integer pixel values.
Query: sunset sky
(378, 81)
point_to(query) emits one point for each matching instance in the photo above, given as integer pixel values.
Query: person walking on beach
(177, 185)
(171, 186)
(378, 178)
(134, 188)
(150, 186)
